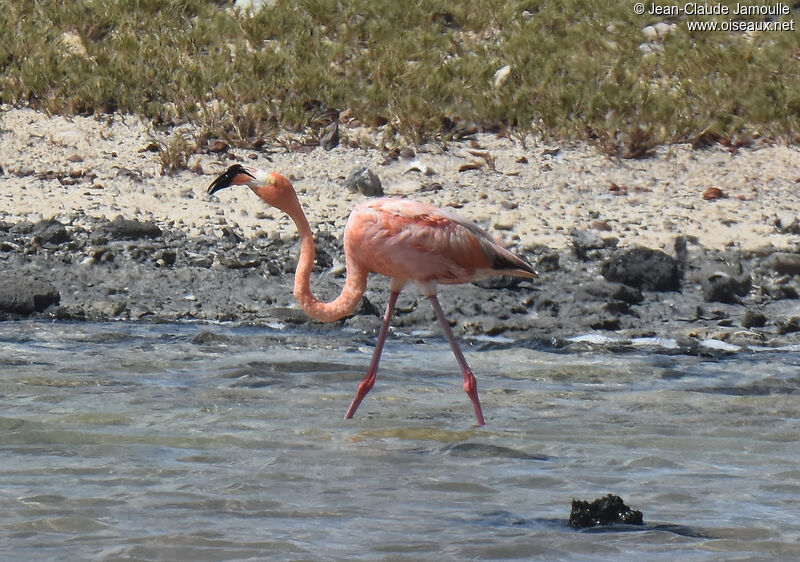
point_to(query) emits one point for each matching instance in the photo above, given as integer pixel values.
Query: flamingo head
(273, 188)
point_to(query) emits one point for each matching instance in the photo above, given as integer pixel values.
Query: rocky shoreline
(690, 300)
(691, 249)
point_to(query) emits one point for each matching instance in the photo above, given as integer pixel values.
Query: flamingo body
(413, 241)
(407, 241)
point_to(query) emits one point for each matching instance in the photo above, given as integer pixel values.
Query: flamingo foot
(363, 388)
(471, 388)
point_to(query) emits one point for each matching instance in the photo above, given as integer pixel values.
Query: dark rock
(607, 291)
(131, 229)
(643, 268)
(610, 323)
(788, 224)
(745, 338)
(23, 296)
(102, 255)
(586, 244)
(548, 261)
(51, 232)
(23, 227)
(241, 261)
(678, 247)
(788, 325)
(207, 337)
(719, 286)
(603, 511)
(753, 319)
(617, 307)
(547, 305)
(364, 181)
(330, 139)
(780, 291)
(165, 257)
(783, 263)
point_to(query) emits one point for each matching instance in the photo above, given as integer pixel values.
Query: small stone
(788, 325)
(364, 181)
(783, 263)
(548, 261)
(788, 224)
(603, 511)
(501, 76)
(151, 147)
(719, 286)
(51, 232)
(600, 290)
(714, 193)
(780, 291)
(746, 338)
(419, 166)
(131, 229)
(643, 268)
(585, 244)
(753, 319)
(73, 44)
(252, 7)
(218, 146)
(601, 226)
(330, 138)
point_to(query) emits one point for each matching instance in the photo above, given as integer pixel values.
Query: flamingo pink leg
(470, 386)
(369, 379)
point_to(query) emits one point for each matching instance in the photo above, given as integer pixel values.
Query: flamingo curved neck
(354, 286)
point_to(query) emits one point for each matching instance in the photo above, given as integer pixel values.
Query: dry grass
(421, 70)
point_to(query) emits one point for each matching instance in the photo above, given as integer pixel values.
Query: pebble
(363, 180)
(783, 262)
(714, 193)
(421, 167)
(501, 76)
(719, 286)
(643, 268)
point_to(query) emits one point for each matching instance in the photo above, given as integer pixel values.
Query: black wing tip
(514, 265)
(225, 179)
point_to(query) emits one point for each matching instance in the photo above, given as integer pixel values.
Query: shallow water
(179, 442)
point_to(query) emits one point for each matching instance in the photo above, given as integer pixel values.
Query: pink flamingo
(405, 240)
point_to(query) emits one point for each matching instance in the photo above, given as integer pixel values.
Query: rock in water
(603, 511)
(643, 268)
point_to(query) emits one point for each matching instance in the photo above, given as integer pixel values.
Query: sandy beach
(54, 166)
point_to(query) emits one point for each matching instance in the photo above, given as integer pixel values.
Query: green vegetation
(419, 68)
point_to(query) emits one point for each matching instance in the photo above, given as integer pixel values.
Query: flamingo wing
(419, 242)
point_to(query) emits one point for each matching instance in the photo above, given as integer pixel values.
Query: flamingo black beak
(228, 177)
